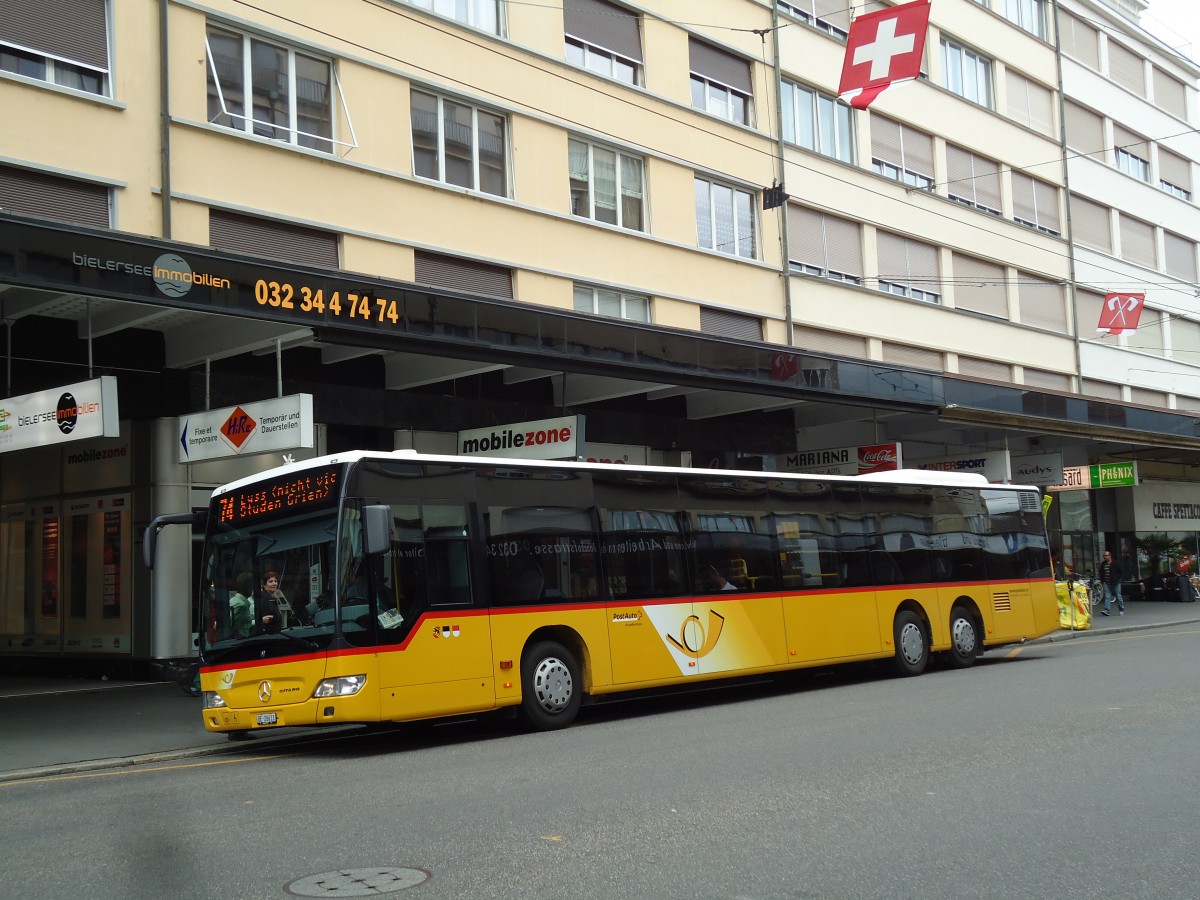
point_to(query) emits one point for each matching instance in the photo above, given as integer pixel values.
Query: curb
(1067, 635)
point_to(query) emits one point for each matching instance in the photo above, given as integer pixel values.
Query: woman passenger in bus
(270, 602)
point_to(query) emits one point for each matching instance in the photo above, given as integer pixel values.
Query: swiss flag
(1121, 312)
(883, 48)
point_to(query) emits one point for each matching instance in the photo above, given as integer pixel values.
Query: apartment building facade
(543, 210)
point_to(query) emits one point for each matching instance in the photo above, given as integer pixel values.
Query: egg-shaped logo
(172, 275)
(67, 413)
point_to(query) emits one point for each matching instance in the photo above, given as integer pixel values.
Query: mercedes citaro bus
(414, 586)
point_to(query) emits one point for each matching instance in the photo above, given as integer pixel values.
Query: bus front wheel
(912, 645)
(551, 687)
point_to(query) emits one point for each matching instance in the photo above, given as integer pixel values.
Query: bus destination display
(291, 493)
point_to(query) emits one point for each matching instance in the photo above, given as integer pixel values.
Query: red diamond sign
(238, 427)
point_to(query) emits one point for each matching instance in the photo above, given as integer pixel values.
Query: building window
(721, 82)
(731, 325)
(908, 268)
(1027, 14)
(817, 122)
(967, 73)
(1035, 203)
(832, 18)
(606, 185)
(459, 144)
(271, 239)
(823, 245)
(1133, 165)
(973, 180)
(37, 42)
(605, 302)
(725, 219)
(1132, 153)
(603, 38)
(288, 92)
(53, 197)
(901, 152)
(1174, 174)
(481, 14)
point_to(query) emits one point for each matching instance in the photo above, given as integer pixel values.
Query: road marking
(137, 770)
(1016, 651)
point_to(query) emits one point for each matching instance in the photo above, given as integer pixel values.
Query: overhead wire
(393, 9)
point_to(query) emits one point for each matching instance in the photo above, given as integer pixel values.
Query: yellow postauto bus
(413, 586)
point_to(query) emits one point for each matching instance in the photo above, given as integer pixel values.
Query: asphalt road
(1062, 770)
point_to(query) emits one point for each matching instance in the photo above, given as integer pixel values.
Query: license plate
(267, 718)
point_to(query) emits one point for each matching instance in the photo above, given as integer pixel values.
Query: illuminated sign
(284, 495)
(284, 423)
(71, 413)
(1104, 475)
(991, 464)
(860, 460)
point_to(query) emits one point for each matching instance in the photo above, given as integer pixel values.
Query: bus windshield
(270, 569)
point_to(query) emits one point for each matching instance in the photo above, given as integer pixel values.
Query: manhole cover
(357, 882)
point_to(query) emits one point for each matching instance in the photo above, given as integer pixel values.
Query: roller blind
(1079, 40)
(1054, 381)
(1137, 241)
(917, 357)
(53, 197)
(1041, 303)
(830, 341)
(731, 325)
(1126, 68)
(604, 25)
(1180, 256)
(1029, 102)
(276, 240)
(1175, 169)
(979, 286)
(1088, 306)
(973, 367)
(1170, 94)
(1125, 139)
(1085, 129)
(906, 261)
(74, 30)
(717, 65)
(826, 242)
(1092, 223)
(1145, 397)
(465, 275)
(973, 178)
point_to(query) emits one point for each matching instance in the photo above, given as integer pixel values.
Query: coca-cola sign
(878, 458)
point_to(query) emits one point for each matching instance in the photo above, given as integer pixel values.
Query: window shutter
(893, 261)
(918, 151)
(1054, 381)
(1126, 68)
(1125, 139)
(843, 246)
(1041, 303)
(1185, 341)
(1137, 241)
(959, 173)
(53, 197)
(1088, 306)
(1092, 223)
(1024, 202)
(1046, 195)
(1085, 129)
(923, 267)
(1174, 169)
(1191, 404)
(730, 325)
(979, 286)
(987, 182)
(835, 12)
(1144, 397)
(717, 65)
(71, 29)
(275, 240)
(917, 357)
(1170, 94)
(1028, 102)
(1079, 40)
(806, 236)
(972, 367)
(604, 25)
(464, 275)
(1181, 256)
(835, 342)
(1149, 335)
(1101, 390)
(886, 141)
(972, 177)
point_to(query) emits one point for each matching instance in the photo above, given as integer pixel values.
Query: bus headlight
(212, 700)
(345, 686)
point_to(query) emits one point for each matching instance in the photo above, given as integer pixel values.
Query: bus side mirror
(377, 529)
(197, 519)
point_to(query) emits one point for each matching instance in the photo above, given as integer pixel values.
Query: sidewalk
(58, 726)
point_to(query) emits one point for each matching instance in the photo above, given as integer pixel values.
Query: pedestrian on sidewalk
(1112, 576)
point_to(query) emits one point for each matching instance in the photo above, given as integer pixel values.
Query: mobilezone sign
(560, 438)
(285, 423)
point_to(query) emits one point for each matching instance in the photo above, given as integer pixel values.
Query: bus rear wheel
(912, 645)
(551, 687)
(964, 639)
